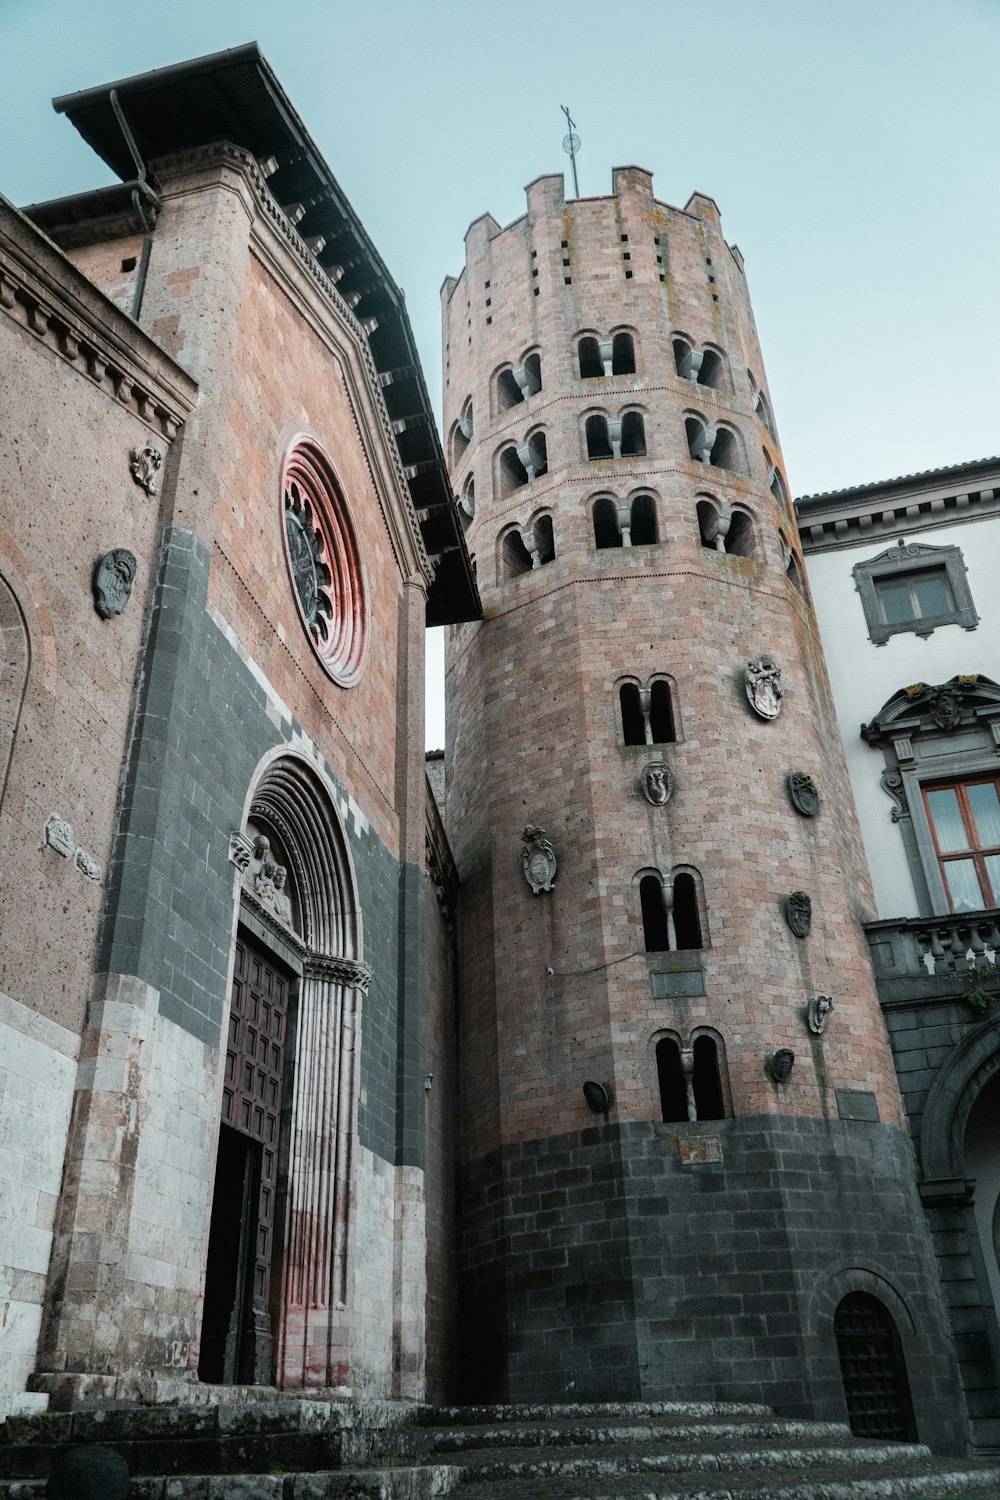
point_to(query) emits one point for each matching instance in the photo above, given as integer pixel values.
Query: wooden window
(914, 596)
(965, 821)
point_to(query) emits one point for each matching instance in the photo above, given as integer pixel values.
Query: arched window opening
(515, 555)
(534, 454)
(513, 474)
(591, 364)
(740, 538)
(713, 370)
(598, 440)
(699, 438)
(509, 393)
(687, 924)
(686, 368)
(673, 1085)
(467, 504)
(873, 1369)
(633, 722)
(709, 1102)
(794, 573)
(778, 489)
(644, 528)
(661, 715)
(655, 932)
(633, 434)
(545, 546)
(763, 413)
(531, 364)
(712, 526)
(622, 355)
(606, 533)
(459, 443)
(726, 450)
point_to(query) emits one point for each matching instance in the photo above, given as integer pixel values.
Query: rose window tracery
(324, 562)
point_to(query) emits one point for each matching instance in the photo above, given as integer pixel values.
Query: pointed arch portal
(279, 1248)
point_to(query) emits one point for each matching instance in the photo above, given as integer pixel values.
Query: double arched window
(515, 383)
(520, 463)
(527, 546)
(612, 355)
(671, 911)
(647, 713)
(625, 523)
(691, 1076)
(714, 443)
(726, 528)
(703, 364)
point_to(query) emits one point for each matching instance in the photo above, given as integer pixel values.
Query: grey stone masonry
(945, 1050)
(609, 1264)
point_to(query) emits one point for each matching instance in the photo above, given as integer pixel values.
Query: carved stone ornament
(538, 859)
(656, 783)
(265, 878)
(763, 686)
(946, 706)
(347, 971)
(59, 836)
(803, 793)
(87, 865)
(892, 784)
(113, 580)
(145, 465)
(818, 1012)
(798, 913)
(240, 849)
(779, 1065)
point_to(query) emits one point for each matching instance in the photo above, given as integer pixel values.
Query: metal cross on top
(571, 145)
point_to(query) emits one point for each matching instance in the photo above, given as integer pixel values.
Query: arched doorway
(276, 1276)
(873, 1370)
(982, 1163)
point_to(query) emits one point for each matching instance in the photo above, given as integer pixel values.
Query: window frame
(978, 853)
(910, 561)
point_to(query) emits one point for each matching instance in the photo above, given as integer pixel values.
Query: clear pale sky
(850, 144)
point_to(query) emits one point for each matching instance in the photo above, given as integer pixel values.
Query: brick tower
(691, 1226)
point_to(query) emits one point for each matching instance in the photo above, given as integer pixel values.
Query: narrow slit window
(661, 717)
(655, 931)
(670, 1076)
(633, 727)
(591, 364)
(606, 533)
(709, 1104)
(622, 355)
(687, 924)
(644, 528)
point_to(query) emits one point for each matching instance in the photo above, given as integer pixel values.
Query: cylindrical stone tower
(615, 457)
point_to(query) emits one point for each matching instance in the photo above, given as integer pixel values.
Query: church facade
(570, 1082)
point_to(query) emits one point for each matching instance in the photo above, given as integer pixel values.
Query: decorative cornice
(42, 290)
(224, 153)
(347, 971)
(940, 497)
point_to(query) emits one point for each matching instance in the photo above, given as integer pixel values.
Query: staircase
(319, 1450)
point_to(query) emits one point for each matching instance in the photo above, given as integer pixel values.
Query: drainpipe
(140, 191)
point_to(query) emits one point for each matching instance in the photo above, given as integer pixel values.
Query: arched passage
(277, 1280)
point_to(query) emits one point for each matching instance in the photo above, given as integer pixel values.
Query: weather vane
(571, 145)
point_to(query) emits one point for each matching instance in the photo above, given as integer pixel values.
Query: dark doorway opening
(227, 1341)
(237, 1335)
(874, 1374)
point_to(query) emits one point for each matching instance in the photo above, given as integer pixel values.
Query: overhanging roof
(235, 96)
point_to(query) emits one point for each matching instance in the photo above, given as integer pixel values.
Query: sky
(851, 146)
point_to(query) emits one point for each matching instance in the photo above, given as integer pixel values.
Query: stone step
(416, 1482)
(467, 1416)
(556, 1463)
(571, 1434)
(954, 1478)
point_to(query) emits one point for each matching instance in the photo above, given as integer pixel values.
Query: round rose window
(324, 562)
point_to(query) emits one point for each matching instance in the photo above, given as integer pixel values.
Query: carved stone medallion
(803, 793)
(87, 865)
(798, 913)
(538, 859)
(656, 783)
(818, 1012)
(145, 465)
(763, 686)
(59, 836)
(779, 1065)
(113, 579)
(946, 706)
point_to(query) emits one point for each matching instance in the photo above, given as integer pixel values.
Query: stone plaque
(697, 1150)
(798, 913)
(59, 836)
(857, 1104)
(665, 983)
